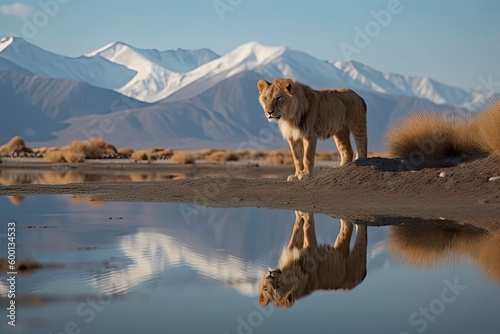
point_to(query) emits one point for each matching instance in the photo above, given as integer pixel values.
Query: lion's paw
(304, 176)
(292, 178)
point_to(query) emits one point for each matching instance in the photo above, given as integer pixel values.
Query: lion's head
(276, 98)
(276, 288)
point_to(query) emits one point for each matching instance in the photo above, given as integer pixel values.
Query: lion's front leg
(297, 148)
(297, 238)
(309, 155)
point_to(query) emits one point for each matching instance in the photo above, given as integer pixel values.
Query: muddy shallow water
(179, 268)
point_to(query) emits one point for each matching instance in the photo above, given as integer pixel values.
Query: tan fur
(305, 115)
(305, 266)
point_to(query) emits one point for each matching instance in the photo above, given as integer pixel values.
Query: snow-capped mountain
(158, 72)
(159, 77)
(423, 87)
(96, 71)
(197, 97)
(179, 60)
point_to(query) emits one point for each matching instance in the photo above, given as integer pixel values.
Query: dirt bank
(369, 187)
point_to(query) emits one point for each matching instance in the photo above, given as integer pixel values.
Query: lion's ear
(262, 85)
(289, 299)
(263, 301)
(287, 84)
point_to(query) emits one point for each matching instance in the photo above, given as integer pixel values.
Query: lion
(305, 266)
(305, 115)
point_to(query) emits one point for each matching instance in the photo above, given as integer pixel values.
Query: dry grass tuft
(222, 156)
(183, 158)
(152, 154)
(15, 145)
(126, 152)
(327, 156)
(78, 151)
(280, 157)
(143, 155)
(204, 153)
(65, 156)
(94, 148)
(433, 135)
(256, 154)
(487, 126)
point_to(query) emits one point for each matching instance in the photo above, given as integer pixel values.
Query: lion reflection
(305, 266)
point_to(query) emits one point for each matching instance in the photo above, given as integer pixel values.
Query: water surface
(178, 268)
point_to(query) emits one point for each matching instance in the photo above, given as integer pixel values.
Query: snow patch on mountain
(96, 71)
(404, 85)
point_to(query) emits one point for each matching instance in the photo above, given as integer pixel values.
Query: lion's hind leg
(361, 141)
(343, 143)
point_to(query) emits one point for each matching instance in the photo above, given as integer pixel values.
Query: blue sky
(456, 42)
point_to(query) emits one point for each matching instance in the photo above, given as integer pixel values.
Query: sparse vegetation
(280, 157)
(433, 135)
(15, 145)
(78, 151)
(94, 148)
(126, 152)
(487, 127)
(183, 158)
(222, 156)
(152, 154)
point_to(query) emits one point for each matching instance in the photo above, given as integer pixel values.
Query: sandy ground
(367, 188)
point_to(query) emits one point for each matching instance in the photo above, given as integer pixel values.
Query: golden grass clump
(327, 155)
(126, 151)
(78, 151)
(256, 154)
(487, 127)
(165, 153)
(143, 155)
(64, 156)
(183, 158)
(222, 156)
(429, 134)
(94, 148)
(204, 153)
(15, 145)
(438, 135)
(280, 157)
(152, 154)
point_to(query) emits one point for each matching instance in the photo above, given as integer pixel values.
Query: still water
(177, 268)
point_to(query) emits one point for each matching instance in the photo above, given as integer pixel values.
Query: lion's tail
(439, 135)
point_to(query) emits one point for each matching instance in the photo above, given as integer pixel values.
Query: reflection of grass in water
(437, 244)
(7, 178)
(62, 178)
(86, 199)
(16, 200)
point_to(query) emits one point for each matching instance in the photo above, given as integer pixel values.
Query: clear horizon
(453, 42)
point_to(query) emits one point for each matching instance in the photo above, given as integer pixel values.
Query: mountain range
(188, 98)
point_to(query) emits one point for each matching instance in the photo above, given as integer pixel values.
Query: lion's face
(275, 98)
(274, 288)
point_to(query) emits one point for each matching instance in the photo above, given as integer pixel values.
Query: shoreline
(365, 188)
